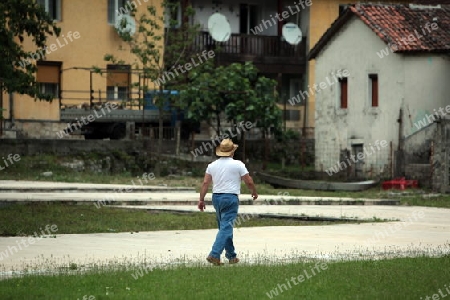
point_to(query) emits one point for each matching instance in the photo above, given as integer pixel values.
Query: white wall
(404, 82)
(427, 88)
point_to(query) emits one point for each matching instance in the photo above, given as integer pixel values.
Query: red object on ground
(400, 184)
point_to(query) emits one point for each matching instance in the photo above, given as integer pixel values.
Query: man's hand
(201, 205)
(251, 185)
(203, 190)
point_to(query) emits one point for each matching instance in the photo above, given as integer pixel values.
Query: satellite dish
(219, 28)
(125, 24)
(291, 33)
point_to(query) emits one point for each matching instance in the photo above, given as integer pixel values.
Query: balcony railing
(252, 45)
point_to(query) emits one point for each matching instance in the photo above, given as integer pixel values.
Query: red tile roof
(406, 28)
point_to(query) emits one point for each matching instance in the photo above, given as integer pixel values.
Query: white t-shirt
(226, 175)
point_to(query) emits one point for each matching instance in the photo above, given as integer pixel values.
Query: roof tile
(410, 28)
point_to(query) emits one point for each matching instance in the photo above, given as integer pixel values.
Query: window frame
(56, 10)
(115, 12)
(374, 90)
(343, 93)
(42, 84)
(293, 115)
(115, 90)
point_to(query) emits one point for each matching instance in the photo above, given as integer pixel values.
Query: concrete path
(36, 191)
(416, 230)
(138, 185)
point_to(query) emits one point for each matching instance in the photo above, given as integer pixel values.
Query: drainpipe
(401, 154)
(400, 130)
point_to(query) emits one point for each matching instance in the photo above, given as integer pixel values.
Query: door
(359, 162)
(248, 18)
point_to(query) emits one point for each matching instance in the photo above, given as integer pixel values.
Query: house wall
(322, 14)
(427, 90)
(401, 86)
(96, 38)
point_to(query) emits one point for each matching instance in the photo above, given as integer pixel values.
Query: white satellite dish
(219, 28)
(291, 33)
(125, 24)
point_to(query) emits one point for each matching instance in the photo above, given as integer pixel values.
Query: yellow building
(87, 34)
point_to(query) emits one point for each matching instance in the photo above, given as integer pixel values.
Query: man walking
(226, 174)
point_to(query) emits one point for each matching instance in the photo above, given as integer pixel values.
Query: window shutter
(117, 78)
(47, 74)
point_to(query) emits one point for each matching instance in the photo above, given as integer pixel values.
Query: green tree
(20, 20)
(235, 93)
(160, 44)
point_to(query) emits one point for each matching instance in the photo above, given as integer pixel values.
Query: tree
(161, 45)
(235, 93)
(20, 19)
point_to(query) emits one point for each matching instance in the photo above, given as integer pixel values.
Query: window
(52, 7)
(173, 14)
(373, 89)
(294, 90)
(343, 97)
(292, 115)
(117, 93)
(117, 8)
(50, 89)
(48, 78)
(117, 82)
(248, 18)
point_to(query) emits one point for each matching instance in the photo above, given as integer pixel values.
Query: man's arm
(203, 190)
(251, 185)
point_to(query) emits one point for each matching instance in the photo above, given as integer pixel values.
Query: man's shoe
(214, 261)
(234, 260)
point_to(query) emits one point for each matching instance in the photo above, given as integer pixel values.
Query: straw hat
(226, 148)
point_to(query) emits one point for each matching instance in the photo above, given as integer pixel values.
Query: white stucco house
(382, 71)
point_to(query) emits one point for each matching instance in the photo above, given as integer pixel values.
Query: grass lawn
(398, 278)
(25, 219)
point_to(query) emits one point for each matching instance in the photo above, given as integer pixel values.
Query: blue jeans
(226, 206)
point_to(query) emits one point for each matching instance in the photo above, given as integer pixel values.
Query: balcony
(269, 53)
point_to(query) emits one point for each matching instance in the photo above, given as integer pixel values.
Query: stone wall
(440, 161)
(255, 150)
(420, 172)
(115, 156)
(61, 147)
(417, 146)
(426, 156)
(36, 130)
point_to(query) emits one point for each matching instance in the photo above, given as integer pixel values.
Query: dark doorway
(248, 18)
(356, 149)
